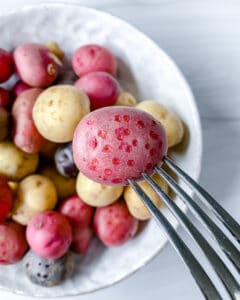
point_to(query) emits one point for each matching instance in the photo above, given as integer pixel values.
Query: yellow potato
(170, 121)
(134, 202)
(65, 186)
(35, 194)
(96, 194)
(56, 50)
(58, 110)
(126, 99)
(16, 164)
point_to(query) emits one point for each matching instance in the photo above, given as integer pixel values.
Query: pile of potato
(46, 204)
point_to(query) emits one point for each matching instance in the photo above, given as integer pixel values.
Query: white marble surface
(203, 37)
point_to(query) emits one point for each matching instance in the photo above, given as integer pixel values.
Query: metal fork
(204, 282)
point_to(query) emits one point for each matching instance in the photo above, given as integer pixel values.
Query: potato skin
(35, 194)
(26, 135)
(36, 65)
(58, 110)
(114, 225)
(170, 121)
(126, 99)
(134, 203)
(96, 194)
(65, 187)
(16, 164)
(13, 243)
(49, 234)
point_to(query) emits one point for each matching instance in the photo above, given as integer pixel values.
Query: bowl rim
(189, 97)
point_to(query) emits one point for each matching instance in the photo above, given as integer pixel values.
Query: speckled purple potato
(48, 272)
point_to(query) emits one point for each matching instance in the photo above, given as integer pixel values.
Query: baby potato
(65, 187)
(170, 121)
(58, 110)
(55, 49)
(134, 202)
(126, 99)
(96, 194)
(36, 193)
(16, 164)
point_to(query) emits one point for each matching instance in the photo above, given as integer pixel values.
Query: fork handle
(200, 276)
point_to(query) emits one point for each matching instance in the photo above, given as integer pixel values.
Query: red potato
(36, 65)
(114, 144)
(20, 87)
(26, 135)
(76, 211)
(13, 244)
(81, 239)
(114, 225)
(92, 58)
(4, 97)
(101, 88)
(49, 234)
(6, 65)
(6, 199)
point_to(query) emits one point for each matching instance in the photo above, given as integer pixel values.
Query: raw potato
(16, 164)
(170, 121)
(36, 193)
(58, 110)
(56, 50)
(96, 194)
(135, 204)
(65, 187)
(126, 99)
(3, 123)
(25, 133)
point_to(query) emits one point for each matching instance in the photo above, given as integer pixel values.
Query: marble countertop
(203, 37)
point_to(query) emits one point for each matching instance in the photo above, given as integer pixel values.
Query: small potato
(49, 234)
(65, 187)
(170, 121)
(101, 88)
(16, 164)
(135, 204)
(56, 50)
(26, 135)
(96, 194)
(126, 99)
(36, 65)
(36, 193)
(13, 243)
(76, 211)
(114, 225)
(58, 110)
(4, 117)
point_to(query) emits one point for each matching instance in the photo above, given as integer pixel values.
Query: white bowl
(147, 72)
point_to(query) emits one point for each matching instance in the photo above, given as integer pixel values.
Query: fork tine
(204, 282)
(223, 272)
(227, 246)
(219, 211)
